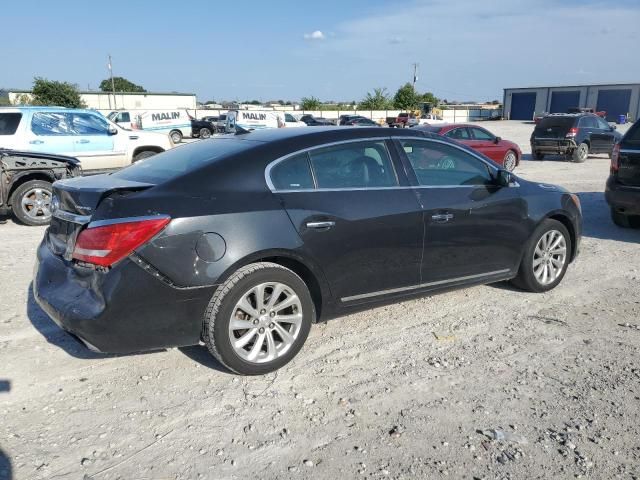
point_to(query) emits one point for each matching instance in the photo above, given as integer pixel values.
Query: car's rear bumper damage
(123, 310)
(553, 146)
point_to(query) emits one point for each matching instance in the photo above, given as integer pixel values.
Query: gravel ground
(487, 382)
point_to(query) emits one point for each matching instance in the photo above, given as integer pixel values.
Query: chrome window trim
(72, 217)
(267, 171)
(423, 285)
(629, 150)
(113, 221)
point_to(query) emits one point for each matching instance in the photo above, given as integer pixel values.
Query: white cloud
(316, 35)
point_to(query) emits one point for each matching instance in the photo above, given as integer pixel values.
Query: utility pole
(415, 75)
(113, 85)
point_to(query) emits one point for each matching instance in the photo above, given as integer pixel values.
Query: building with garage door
(615, 99)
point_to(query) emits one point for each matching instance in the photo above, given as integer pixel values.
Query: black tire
(220, 310)
(581, 153)
(176, 136)
(205, 133)
(536, 155)
(27, 191)
(144, 154)
(526, 279)
(620, 219)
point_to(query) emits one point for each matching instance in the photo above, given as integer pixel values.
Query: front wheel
(510, 161)
(581, 153)
(546, 257)
(258, 320)
(31, 203)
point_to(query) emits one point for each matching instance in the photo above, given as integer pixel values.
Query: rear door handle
(320, 225)
(36, 142)
(83, 141)
(442, 217)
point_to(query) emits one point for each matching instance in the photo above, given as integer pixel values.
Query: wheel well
(26, 178)
(305, 274)
(572, 233)
(150, 148)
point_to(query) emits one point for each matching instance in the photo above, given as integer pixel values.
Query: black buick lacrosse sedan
(244, 242)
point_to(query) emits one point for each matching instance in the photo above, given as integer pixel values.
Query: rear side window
(9, 122)
(353, 165)
(292, 174)
(51, 123)
(439, 165)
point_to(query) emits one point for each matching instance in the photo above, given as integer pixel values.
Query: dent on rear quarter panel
(244, 233)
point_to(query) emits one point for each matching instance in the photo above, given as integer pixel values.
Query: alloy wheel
(509, 161)
(549, 257)
(265, 322)
(36, 204)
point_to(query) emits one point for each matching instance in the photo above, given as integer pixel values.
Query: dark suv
(623, 186)
(575, 135)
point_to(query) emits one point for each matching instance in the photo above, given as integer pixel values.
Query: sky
(331, 49)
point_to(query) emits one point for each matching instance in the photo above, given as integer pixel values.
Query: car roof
(324, 133)
(45, 109)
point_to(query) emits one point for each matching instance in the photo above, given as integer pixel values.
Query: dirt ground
(483, 383)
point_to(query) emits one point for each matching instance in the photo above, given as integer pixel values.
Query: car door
(50, 132)
(589, 132)
(93, 142)
(474, 229)
(356, 215)
(605, 135)
(485, 143)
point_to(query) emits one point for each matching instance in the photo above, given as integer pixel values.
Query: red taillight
(106, 244)
(615, 158)
(572, 133)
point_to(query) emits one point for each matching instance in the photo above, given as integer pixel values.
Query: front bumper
(123, 310)
(553, 146)
(624, 199)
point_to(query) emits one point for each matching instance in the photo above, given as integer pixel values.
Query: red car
(501, 151)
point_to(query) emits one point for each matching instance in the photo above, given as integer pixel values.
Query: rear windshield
(556, 122)
(9, 122)
(183, 159)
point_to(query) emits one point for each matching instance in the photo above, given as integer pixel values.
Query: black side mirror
(504, 178)
(496, 140)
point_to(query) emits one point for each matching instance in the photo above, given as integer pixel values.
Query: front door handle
(36, 142)
(82, 141)
(442, 217)
(320, 225)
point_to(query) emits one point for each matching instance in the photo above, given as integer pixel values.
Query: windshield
(183, 159)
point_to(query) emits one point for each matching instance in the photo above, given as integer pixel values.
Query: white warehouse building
(107, 101)
(615, 99)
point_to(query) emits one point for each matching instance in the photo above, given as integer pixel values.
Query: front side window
(292, 174)
(458, 134)
(353, 165)
(481, 134)
(438, 165)
(88, 124)
(51, 123)
(289, 118)
(9, 122)
(124, 117)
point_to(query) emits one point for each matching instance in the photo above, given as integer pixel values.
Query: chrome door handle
(320, 225)
(442, 217)
(82, 141)
(36, 142)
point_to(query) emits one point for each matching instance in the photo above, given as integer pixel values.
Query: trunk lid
(74, 202)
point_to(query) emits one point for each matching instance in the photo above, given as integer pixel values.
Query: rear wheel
(581, 153)
(144, 154)
(31, 202)
(620, 219)
(205, 133)
(176, 136)
(537, 155)
(510, 160)
(546, 257)
(258, 320)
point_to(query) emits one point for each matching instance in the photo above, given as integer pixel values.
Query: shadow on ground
(5, 462)
(597, 221)
(200, 354)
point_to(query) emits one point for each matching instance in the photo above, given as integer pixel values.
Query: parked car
(211, 119)
(98, 143)
(503, 152)
(601, 114)
(406, 119)
(201, 128)
(312, 121)
(361, 122)
(175, 123)
(291, 121)
(575, 135)
(221, 123)
(290, 227)
(623, 186)
(25, 183)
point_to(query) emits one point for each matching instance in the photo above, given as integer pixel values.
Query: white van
(259, 119)
(176, 123)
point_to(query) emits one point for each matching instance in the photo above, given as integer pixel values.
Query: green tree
(121, 85)
(405, 98)
(378, 100)
(429, 97)
(59, 94)
(310, 103)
